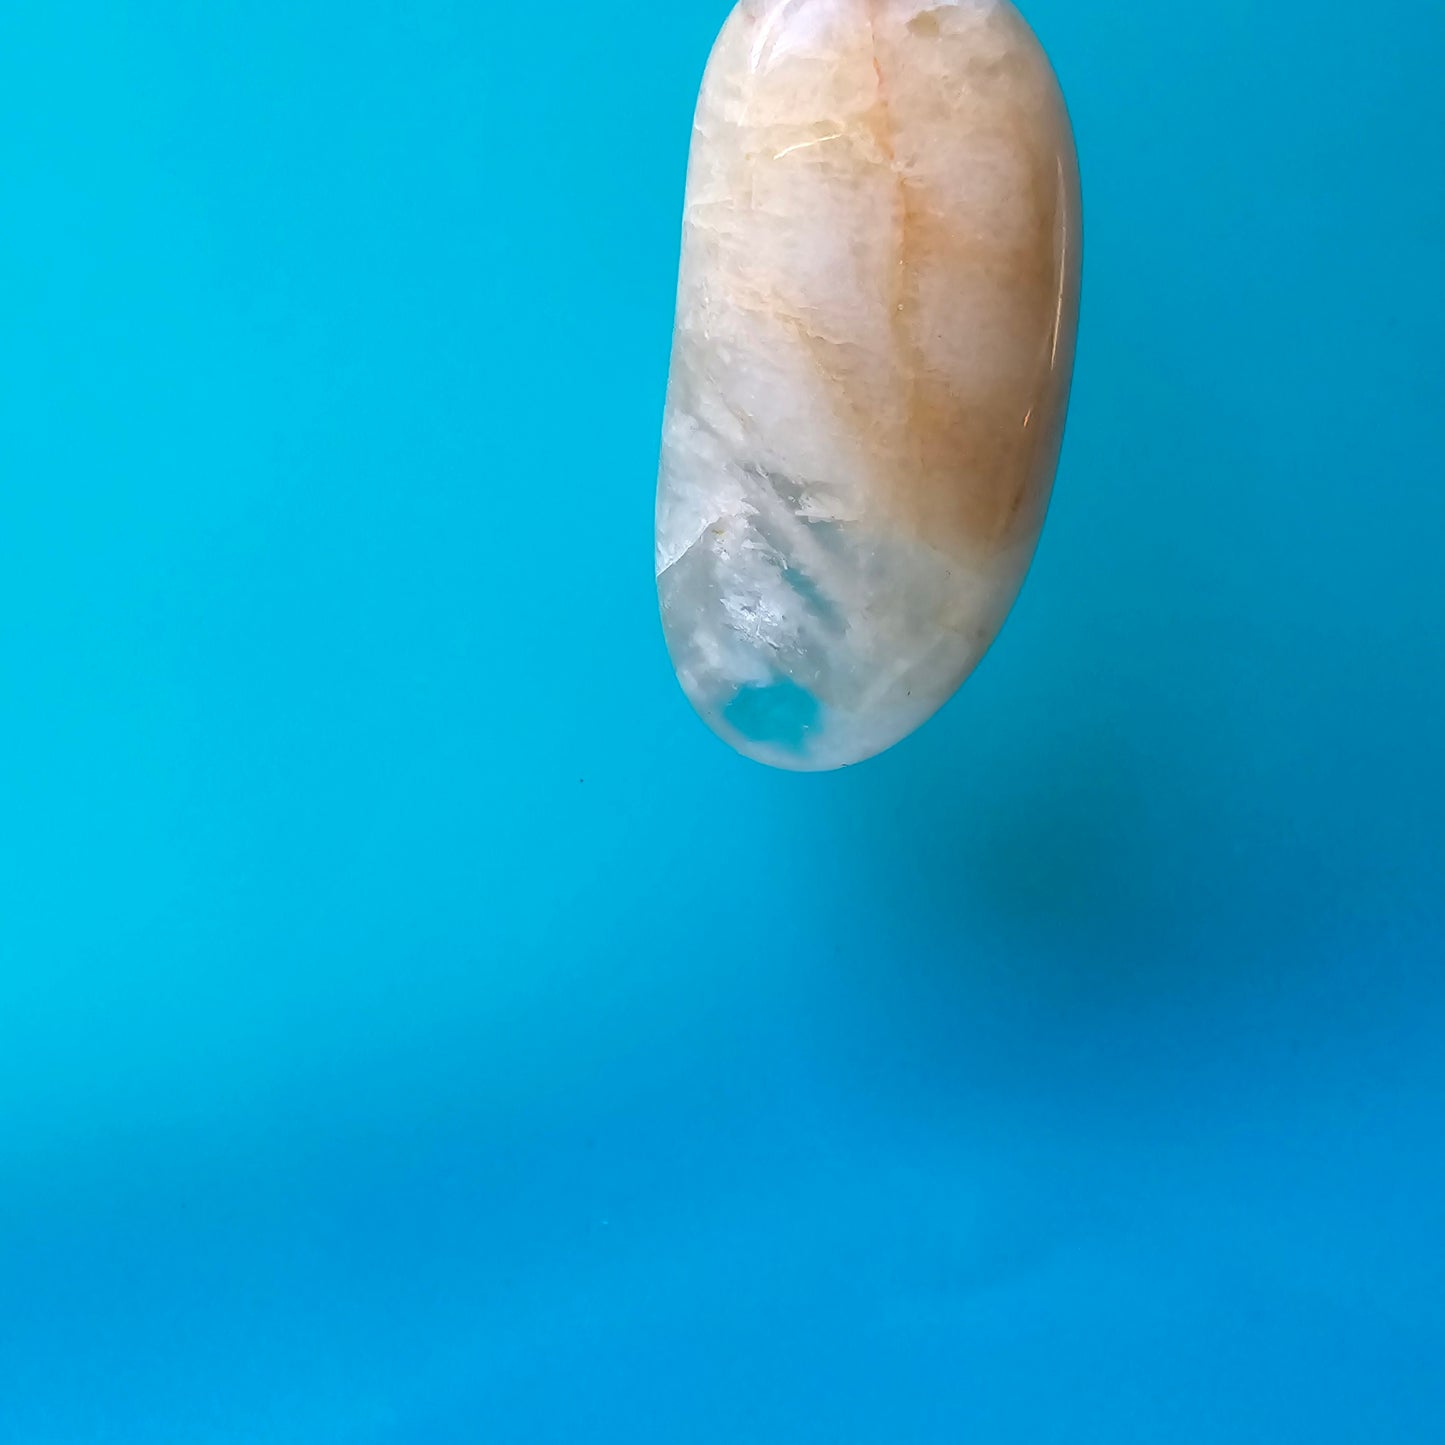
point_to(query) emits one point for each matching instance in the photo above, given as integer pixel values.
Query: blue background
(415, 1028)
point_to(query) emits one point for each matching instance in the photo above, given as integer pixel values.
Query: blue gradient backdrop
(415, 1029)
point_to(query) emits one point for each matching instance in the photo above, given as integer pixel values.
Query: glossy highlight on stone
(871, 365)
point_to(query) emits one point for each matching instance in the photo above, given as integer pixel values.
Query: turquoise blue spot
(780, 713)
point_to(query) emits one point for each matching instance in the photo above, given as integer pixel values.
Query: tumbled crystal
(871, 365)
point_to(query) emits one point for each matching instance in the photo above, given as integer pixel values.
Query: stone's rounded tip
(784, 726)
(871, 365)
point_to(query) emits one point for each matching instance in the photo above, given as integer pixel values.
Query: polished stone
(871, 365)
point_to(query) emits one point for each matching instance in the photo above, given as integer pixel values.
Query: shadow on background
(1163, 802)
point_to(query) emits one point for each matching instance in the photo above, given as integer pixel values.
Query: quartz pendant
(871, 365)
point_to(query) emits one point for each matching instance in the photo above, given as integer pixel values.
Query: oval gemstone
(871, 364)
